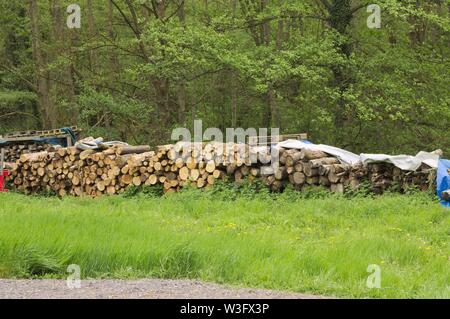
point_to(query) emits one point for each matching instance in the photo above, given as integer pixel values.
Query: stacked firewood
(14, 150)
(384, 176)
(113, 169)
(307, 167)
(313, 167)
(96, 172)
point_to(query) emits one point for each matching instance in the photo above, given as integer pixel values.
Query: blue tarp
(443, 180)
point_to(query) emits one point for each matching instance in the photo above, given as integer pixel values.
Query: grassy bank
(314, 245)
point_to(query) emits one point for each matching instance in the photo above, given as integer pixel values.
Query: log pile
(307, 167)
(88, 172)
(384, 176)
(112, 170)
(14, 150)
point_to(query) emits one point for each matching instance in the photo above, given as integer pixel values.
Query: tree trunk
(340, 16)
(42, 78)
(234, 97)
(63, 87)
(91, 30)
(181, 94)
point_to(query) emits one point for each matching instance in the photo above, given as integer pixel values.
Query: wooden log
(298, 178)
(122, 150)
(309, 170)
(315, 163)
(85, 154)
(293, 157)
(337, 188)
(312, 180)
(309, 154)
(210, 180)
(216, 174)
(33, 157)
(280, 173)
(254, 171)
(183, 173)
(231, 168)
(298, 167)
(136, 181)
(151, 180)
(126, 179)
(325, 169)
(200, 182)
(210, 166)
(194, 174)
(324, 181)
(277, 185)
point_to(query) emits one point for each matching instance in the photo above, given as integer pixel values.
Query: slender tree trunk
(233, 81)
(162, 83)
(91, 30)
(63, 86)
(272, 118)
(114, 62)
(113, 59)
(42, 77)
(181, 93)
(340, 18)
(234, 97)
(182, 103)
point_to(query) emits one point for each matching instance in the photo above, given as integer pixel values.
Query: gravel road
(141, 289)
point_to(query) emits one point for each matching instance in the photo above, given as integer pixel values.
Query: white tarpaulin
(404, 162)
(90, 143)
(344, 156)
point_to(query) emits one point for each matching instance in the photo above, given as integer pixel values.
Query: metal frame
(37, 134)
(32, 138)
(273, 139)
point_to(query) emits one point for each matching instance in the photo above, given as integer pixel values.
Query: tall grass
(320, 244)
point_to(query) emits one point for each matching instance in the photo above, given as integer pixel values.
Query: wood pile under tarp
(110, 171)
(313, 167)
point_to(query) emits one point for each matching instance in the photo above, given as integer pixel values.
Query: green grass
(311, 245)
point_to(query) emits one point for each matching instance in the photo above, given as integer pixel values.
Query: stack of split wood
(307, 167)
(384, 176)
(313, 167)
(14, 150)
(90, 172)
(112, 170)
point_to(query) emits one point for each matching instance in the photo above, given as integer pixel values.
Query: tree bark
(91, 30)
(181, 94)
(42, 76)
(340, 16)
(63, 87)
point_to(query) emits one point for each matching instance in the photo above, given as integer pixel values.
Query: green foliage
(150, 191)
(223, 190)
(364, 189)
(135, 76)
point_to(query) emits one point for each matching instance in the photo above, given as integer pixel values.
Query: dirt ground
(139, 289)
